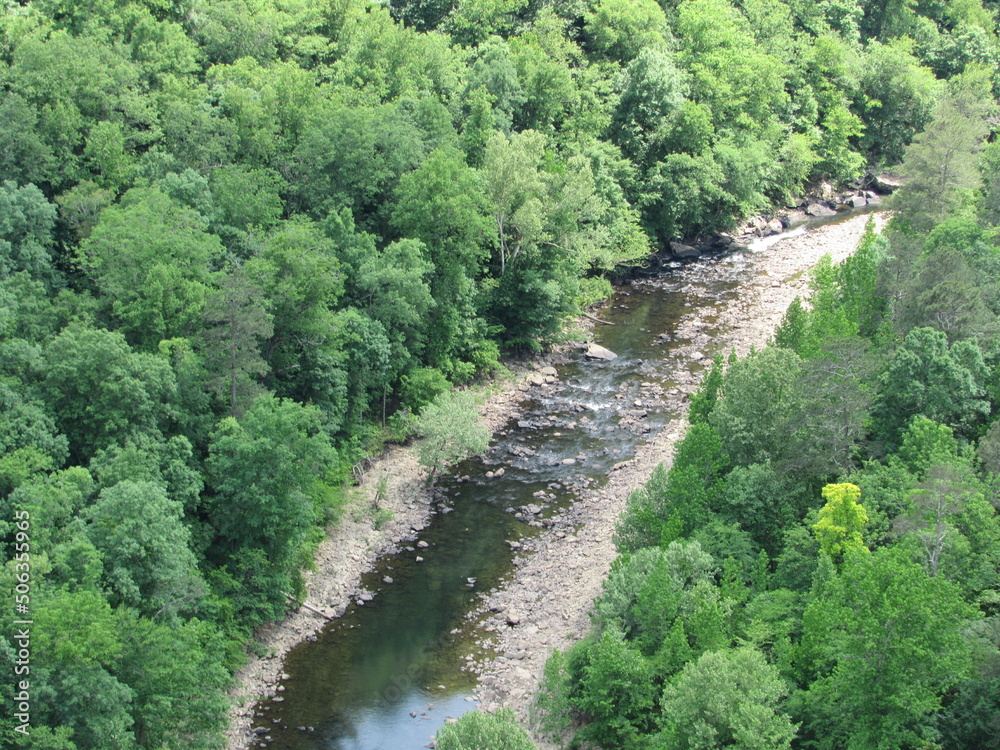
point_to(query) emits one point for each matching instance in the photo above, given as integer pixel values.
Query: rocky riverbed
(546, 604)
(558, 573)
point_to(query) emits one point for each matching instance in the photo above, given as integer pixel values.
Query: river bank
(369, 529)
(548, 597)
(546, 604)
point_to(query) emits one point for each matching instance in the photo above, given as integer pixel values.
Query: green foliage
(726, 699)
(704, 400)
(882, 631)
(759, 498)
(148, 563)
(352, 206)
(100, 390)
(151, 259)
(236, 324)
(450, 431)
(896, 95)
(927, 377)
(940, 163)
(26, 224)
(421, 386)
(178, 681)
(649, 589)
(265, 470)
(757, 398)
(622, 30)
(478, 730)
(841, 521)
(614, 689)
(674, 504)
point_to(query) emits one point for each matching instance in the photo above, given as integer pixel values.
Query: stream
(390, 672)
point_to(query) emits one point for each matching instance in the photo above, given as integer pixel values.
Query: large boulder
(857, 201)
(596, 351)
(819, 210)
(681, 250)
(886, 183)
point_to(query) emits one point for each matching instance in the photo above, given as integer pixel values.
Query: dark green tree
(889, 644)
(237, 323)
(148, 563)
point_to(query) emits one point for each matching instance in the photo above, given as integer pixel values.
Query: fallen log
(309, 607)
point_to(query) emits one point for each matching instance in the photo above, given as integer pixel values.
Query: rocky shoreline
(546, 604)
(362, 536)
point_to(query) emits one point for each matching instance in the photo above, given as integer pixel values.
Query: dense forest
(820, 567)
(243, 243)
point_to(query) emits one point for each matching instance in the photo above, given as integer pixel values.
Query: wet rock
(819, 210)
(568, 461)
(387, 579)
(596, 351)
(422, 544)
(681, 250)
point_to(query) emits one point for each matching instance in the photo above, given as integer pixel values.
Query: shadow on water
(388, 674)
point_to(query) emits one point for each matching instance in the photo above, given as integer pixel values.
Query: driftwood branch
(309, 607)
(597, 320)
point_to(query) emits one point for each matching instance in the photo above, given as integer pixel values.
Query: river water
(391, 671)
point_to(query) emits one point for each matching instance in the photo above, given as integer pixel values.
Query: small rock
(387, 579)
(419, 559)
(422, 544)
(857, 201)
(548, 371)
(568, 461)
